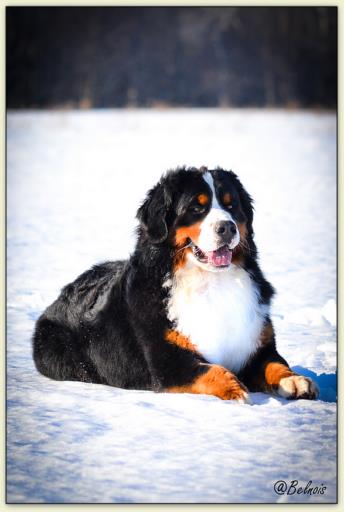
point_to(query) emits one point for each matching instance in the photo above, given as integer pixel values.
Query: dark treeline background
(85, 57)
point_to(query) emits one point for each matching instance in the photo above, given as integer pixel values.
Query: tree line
(83, 57)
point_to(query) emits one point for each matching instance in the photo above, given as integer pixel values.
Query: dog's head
(205, 215)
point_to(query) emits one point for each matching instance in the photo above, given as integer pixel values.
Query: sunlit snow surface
(75, 180)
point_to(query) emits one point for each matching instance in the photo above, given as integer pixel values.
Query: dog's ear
(152, 213)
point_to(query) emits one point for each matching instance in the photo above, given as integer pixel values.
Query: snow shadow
(327, 383)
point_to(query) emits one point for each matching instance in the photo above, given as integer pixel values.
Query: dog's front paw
(297, 386)
(215, 380)
(222, 383)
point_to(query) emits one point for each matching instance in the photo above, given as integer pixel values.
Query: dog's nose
(225, 228)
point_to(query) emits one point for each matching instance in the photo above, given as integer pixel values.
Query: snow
(75, 180)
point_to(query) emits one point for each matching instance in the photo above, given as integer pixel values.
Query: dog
(188, 312)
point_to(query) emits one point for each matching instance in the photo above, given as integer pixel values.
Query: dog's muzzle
(225, 231)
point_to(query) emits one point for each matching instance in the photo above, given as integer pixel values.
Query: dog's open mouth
(221, 257)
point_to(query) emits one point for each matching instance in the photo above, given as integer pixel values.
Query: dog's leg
(284, 382)
(177, 367)
(269, 372)
(208, 379)
(214, 380)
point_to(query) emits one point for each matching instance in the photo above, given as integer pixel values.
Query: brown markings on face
(274, 372)
(181, 239)
(242, 230)
(185, 232)
(227, 199)
(217, 381)
(203, 199)
(179, 339)
(242, 247)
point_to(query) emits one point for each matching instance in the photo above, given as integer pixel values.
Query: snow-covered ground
(75, 180)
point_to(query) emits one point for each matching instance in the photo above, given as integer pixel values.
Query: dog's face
(206, 215)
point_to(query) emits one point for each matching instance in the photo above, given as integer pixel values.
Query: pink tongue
(221, 257)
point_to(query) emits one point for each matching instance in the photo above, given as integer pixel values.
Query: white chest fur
(219, 312)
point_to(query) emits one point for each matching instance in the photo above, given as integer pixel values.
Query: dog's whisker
(184, 247)
(244, 245)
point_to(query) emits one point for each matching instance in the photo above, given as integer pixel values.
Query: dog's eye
(196, 208)
(227, 200)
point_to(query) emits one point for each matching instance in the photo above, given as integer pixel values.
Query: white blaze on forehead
(208, 240)
(210, 182)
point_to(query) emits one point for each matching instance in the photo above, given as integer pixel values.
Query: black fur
(108, 326)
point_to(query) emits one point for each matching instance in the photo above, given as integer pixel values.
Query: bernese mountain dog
(188, 312)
